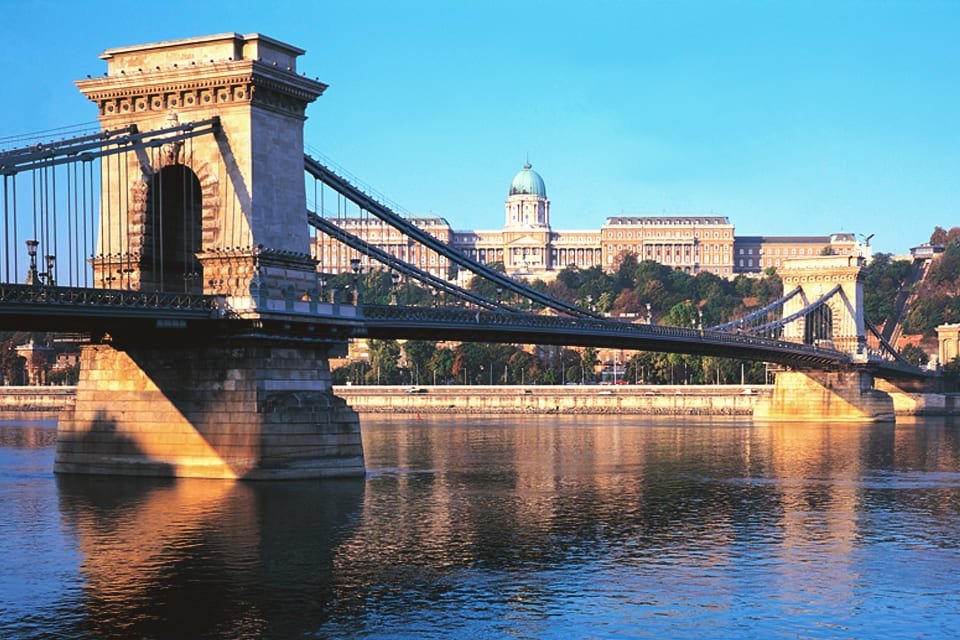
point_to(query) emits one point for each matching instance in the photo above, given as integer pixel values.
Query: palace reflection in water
(536, 527)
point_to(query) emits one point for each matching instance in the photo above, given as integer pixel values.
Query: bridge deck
(79, 309)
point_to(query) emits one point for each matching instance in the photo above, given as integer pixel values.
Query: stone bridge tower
(221, 214)
(239, 193)
(814, 394)
(840, 323)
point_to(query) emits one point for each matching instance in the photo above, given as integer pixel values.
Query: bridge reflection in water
(538, 527)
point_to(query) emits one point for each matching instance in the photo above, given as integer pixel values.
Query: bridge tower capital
(245, 182)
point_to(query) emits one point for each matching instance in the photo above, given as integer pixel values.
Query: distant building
(756, 253)
(689, 243)
(528, 247)
(926, 251)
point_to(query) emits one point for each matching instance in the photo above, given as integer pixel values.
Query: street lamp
(434, 292)
(33, 278)
(649, 314)
(51, 263)
(355, 267)
(395, 282)
(323, 286)
(499, 294)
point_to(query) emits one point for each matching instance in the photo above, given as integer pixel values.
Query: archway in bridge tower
(173, 233)
(819, 325)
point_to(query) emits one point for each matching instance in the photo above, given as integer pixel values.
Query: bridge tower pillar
(243, 400)
(810, 394)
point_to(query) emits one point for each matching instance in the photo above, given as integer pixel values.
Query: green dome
(528, 182)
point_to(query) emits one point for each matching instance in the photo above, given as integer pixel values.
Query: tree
(571, 366)
(524, 368)
(441, 365)
(588, 364)
(881, 282)
(485, 287)
(418, 354)
(352, 373)
(625, 266)
(683, 314)
(939, 236)
(384, 362)
(914, 355)
(627, 302)
(605, 302)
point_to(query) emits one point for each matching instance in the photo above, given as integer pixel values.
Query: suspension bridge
(178, 240)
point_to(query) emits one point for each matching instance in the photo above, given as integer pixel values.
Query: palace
(528, 247)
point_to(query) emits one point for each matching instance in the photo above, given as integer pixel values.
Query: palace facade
(528, 247)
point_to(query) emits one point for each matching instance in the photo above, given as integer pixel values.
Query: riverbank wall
(45, 403)
(35, 403)
(727, 400)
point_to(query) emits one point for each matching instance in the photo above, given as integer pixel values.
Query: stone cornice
(829, 274)
(245, 82)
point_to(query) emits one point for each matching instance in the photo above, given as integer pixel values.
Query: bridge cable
(739, 322)
(885, 344)
(341, 185)
(16, 241)
(103, 145)
(778, 324)
(362, 246)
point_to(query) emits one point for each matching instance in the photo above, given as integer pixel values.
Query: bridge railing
(20, 294)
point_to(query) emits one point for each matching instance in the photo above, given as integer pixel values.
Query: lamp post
(434, 292)
(323, 287)
(395, 285)
(33, 278)
(499, 294)
(649, 314)
(357, 269)
(50, 273)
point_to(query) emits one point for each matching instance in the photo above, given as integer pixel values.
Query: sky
(789, 117)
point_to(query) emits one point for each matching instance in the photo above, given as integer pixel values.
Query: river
(505, 527)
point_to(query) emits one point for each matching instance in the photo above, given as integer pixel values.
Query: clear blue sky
(789, 117)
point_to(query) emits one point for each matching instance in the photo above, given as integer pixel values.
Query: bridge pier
(247, 408)
(844, 396)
